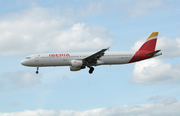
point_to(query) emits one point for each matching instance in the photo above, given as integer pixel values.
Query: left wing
(93, 58)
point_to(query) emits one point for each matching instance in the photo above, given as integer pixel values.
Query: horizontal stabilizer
(153, 53)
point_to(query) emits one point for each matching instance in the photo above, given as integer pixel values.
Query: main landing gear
(37, 70)
(91, 69)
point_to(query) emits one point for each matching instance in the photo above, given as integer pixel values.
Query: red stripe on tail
(149, 45)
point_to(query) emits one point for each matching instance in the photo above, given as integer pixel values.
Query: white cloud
(91, 8)
(51, 30)
(46, 30)
(163, 100)
(170, 47)
(157, 109)
(155, 71)
(21, 79)
(133, 8)
(81, 37)
(140, 8)
(129, 9)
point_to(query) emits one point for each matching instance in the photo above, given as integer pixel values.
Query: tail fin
(150, 43)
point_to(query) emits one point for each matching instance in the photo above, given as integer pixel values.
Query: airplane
(78, 61)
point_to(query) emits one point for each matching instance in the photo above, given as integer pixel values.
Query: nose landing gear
(37, 70)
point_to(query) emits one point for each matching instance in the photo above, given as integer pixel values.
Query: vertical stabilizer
(150, 43)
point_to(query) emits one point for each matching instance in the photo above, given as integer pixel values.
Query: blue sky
(148, 87)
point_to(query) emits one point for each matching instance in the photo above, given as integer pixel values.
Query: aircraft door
(37, 58)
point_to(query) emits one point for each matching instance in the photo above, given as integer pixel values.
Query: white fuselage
(43, 60)
(78, 61)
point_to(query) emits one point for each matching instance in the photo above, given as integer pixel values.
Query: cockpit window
(28, 57)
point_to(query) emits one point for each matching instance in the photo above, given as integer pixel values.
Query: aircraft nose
(23, 62)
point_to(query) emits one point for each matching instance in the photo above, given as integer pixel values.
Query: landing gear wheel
(37, 72)
(91, 70)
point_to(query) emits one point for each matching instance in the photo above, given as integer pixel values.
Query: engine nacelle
(76, 63)
(75, 68)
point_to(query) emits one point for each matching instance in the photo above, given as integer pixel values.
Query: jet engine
(76, 65)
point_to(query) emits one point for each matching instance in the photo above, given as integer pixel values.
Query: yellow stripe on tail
(153, 34)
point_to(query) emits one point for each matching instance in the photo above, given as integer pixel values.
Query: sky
(146, 88)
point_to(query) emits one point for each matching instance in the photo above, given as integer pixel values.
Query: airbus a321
(78, 61)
